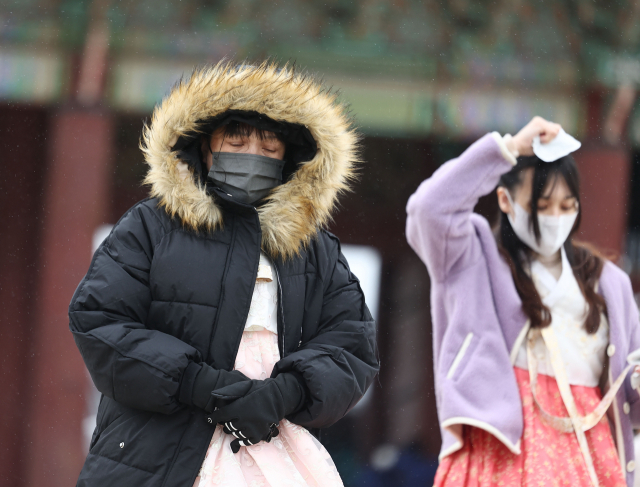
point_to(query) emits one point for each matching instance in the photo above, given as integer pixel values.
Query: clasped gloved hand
(199, 382)
(251, 410)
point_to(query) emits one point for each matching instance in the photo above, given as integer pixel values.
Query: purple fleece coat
(477, 313)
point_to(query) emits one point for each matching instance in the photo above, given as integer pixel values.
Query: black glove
(200, 380)
(254, 408)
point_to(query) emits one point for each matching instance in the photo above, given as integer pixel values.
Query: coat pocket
(144, 440)
(112, 414)
(455, 365)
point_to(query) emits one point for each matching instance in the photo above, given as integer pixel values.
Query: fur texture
(294, 211)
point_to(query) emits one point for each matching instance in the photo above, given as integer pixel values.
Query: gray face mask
(246, 177)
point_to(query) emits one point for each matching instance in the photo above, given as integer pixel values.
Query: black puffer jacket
(169, 291)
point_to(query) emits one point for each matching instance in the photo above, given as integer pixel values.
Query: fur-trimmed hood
(294, 211)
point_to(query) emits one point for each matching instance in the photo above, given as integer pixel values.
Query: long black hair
(586, 262)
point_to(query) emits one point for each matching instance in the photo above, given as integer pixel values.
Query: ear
(205, 142)
(503, 200)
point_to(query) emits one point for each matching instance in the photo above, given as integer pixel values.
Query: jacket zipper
(253, 285)
(222, 291)
(237, 347)
(280, 311)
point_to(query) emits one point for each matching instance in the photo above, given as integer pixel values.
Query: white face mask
(554, 230)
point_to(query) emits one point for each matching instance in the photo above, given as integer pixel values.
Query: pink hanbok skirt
(293, 458)
(548, 458)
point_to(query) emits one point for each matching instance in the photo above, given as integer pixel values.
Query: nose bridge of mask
(549, 220)
(561, 222)
(557, 229)
(234, 163)
(248, 177)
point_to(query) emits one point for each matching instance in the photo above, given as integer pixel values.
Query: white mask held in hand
(554, 230)
(562, 145)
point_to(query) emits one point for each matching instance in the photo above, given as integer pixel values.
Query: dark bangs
(241, 129)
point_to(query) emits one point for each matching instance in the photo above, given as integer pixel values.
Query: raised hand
(521, 143)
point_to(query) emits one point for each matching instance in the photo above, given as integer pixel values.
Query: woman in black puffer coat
(161, 314)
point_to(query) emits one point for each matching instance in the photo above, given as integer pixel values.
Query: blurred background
(424, 79)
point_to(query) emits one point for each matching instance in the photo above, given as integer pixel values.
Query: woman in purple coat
(532, 331)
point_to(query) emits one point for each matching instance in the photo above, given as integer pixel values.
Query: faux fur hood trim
(296, 210)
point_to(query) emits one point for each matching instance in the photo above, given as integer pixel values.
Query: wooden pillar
(604, 174)
(76, 194)
(22, 136)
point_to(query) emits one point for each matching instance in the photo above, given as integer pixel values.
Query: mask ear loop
(216, 156)
(513, 206)
(511, 202)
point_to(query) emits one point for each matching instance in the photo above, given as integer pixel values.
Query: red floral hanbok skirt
(549, 458)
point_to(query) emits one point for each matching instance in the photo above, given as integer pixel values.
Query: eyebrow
(568, 197)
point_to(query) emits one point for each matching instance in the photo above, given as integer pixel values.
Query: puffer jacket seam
(345, 291)
(99, 427)
(177, 454)
(354, 278)
(155, 210)
(104, 244)
(305, 273)
(107, 304)
(113, 379)
(165, 235)
(123, 463)
(124, 265)
(364, 304)
(184, 302)
(117, 349)
(325, 277)
(353, 391)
